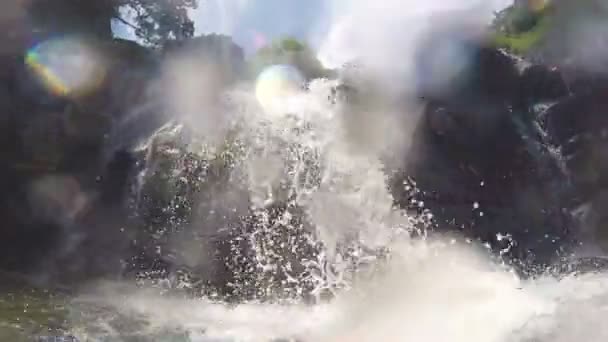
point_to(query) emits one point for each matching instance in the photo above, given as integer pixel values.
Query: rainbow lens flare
(276, 85)
(66, 67)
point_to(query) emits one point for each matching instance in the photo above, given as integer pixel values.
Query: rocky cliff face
(114, 182)
(67, 169)
(575, 44)
(481, 163)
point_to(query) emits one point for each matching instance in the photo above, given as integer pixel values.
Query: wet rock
(579, 128)
(570, 267)
(540, 83)
(481, 165)
(577, 125)
(197, 225)
(52, 165)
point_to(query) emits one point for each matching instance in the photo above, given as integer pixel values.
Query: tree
(289, 51)
(522, 26)
(556, 32)
(158, 21)
(154, 21)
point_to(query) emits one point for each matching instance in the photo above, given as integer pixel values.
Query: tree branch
(122, 20)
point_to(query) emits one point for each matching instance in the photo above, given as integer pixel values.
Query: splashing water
(420, 290)
(276, 84)
(429, 291)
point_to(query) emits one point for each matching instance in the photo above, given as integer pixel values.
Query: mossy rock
(522, 41)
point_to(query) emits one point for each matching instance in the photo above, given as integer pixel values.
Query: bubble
(276, 85)
(66, 66)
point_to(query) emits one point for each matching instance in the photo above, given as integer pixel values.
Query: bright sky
(343, 27)
(251, 21)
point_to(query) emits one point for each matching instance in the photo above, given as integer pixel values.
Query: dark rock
(540, 83)
(480, 163)
(578, 126)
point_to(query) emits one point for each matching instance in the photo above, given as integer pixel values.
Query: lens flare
(259, 40)
(66, 67)
(276, 85)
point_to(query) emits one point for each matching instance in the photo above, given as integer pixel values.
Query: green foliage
(290, 44)
(521, 43)
(289, 51)
(519, 29)
(158, 21)
(154, 21)
(516, 19)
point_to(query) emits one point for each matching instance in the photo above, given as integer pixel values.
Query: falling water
(356, 269)
(391, 286)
